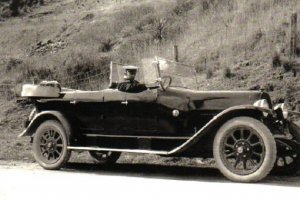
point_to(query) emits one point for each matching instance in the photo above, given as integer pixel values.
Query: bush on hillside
(106, 45)
(183, 6)
(209, 73)
(14, 7)
(276, 61)
(12, 64)
(288, 65)
(227, 72)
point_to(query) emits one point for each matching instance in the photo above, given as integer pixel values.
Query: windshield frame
(152, 71)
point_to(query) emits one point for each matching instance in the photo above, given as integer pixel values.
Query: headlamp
(262, 103)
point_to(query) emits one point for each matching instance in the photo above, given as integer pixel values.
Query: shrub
(106, 45)
(14, 7)
(199, 69)
(288, 65)
(5, 11)
(227, 72)
(276, 61)
(183, 7)
(209, 73)
(12, 64)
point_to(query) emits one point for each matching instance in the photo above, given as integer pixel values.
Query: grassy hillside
(233, 44)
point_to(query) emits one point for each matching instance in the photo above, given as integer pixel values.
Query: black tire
(105, 157)
(288, 160)
(246, 140)
(50, 144)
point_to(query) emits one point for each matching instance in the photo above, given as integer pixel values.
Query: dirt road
(135, 181)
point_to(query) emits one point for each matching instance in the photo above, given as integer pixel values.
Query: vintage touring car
(241, 130)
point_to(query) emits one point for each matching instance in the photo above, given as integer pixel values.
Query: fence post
(293, 35)
(176, 53)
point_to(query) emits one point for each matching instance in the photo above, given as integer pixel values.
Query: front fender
(221, 118)
(43, 116)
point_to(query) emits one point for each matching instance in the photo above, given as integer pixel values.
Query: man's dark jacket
(131, 86)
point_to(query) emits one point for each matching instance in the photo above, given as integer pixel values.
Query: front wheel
(244, 150)
(50, 144)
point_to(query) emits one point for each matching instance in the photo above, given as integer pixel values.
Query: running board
(118, 150)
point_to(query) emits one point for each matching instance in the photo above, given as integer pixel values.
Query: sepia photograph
(144, 99)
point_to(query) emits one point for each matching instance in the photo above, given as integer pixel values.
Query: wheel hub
(51, 146)
(243, 149)
(240, 150)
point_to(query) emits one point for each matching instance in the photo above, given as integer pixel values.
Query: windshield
(152, 69)
(182, 75)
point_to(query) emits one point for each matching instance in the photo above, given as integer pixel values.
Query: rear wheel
(244, 150)
(50, 144)
(105, 157)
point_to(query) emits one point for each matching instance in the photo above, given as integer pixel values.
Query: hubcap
(240, 150)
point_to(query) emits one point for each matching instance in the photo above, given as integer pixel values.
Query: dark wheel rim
(51, 145)
(242, 150)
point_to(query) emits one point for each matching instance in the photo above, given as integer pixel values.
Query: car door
(88, 111)
(152, 124)
(140, 113)
(114, 108)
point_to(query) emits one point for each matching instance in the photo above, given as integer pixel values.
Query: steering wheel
(165, 82)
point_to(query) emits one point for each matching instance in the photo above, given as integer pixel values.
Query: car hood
(186, 99)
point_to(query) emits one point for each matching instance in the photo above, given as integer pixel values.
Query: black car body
(240, 129)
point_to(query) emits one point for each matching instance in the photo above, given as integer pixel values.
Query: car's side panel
(174, 145)
(187, 147)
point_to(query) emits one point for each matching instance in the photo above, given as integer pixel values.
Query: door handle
(124, 102)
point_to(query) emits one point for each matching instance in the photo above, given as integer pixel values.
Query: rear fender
(217, 121)
(43, 116)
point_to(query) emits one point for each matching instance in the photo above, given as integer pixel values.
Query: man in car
(131, 85)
